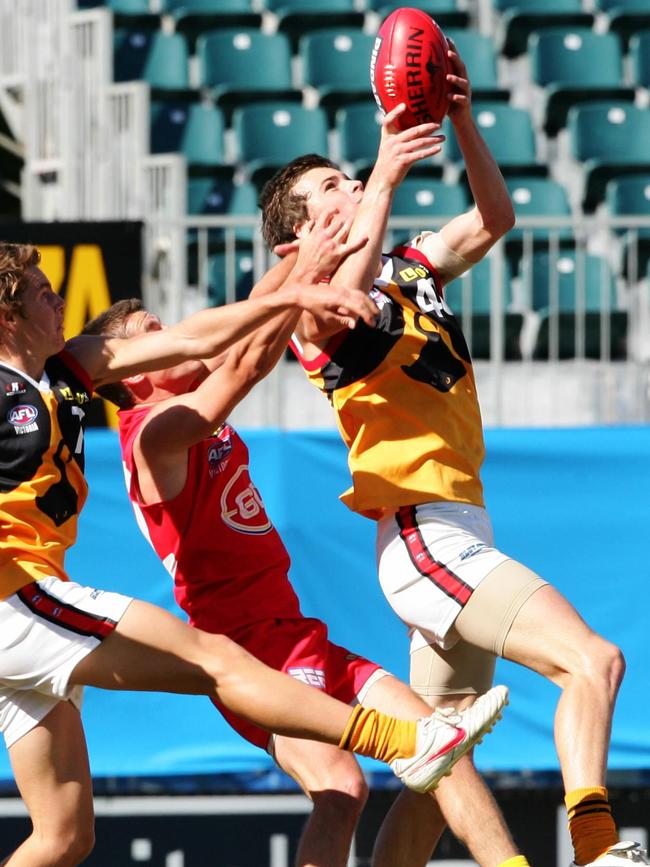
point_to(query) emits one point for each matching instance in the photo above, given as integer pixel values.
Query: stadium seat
(509, 134)
(296, 17)
(445, 12)
(640, 56)
(229, 278)
(161, 59)
(609, 139)
(519, 18)
(243, 66)
(423, 199)
(195, 130)
(626, 17)
(630, 196)
(270, 134)
(133, 13)
(576, 66)
(207, 196)
(574, 293)
(479, 55)
(536, 197)
(470, 299)
(193, 17)
(336, 63)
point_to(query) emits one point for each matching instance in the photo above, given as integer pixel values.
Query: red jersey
(226, 558)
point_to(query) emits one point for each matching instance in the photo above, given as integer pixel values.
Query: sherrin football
(409, 64)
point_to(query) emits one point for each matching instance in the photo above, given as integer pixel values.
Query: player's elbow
(501, 220)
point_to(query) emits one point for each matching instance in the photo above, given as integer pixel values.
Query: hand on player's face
(329, 189)
(324, 244)
(460, 93)
(400, 149)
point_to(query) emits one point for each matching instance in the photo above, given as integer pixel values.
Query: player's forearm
(489, 191)
(359, 271)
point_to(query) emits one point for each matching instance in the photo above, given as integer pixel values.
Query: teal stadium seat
(193, 17)
(576, 66)
(608, 139)
(509, 134)
(335, 62)
(194, 130)
(209, 196)
(271, 134)
(446, 12)
(536, 197)
(423, 199)
(640, 56)
(240, 66)
(297, 17)
(519, 18)
(161, 59)
(134, 14)
(479, 55)
(575, 296)
(626, 17)
(471, 301)
(630, 196)
(229, 278)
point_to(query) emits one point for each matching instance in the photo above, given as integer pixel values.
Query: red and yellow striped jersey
(404, 395)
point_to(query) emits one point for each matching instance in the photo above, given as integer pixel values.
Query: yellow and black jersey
(42, 484)
(404, 395)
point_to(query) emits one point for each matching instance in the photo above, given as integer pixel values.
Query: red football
(409, 64)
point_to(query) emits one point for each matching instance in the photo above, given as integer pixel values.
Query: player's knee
(342, 797)
(69, 847)
(221, 656)
(601, 661)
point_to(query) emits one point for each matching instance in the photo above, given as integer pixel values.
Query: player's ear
(7, 317)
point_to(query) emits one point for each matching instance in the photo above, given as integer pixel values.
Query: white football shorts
(46, 628)
(430, 558)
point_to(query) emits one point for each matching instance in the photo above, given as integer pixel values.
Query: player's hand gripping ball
(409, 64)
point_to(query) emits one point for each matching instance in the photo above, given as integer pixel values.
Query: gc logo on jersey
(241, 505)
(23, 418)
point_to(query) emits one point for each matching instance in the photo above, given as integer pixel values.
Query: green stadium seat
(336, 63)
(229, 278)
(626, 17)
(576, 66)
(270, 134)
(161, 59)
(220, 196)
(575, 296)
(446, 12)
(536, 197)
(359, 130)
(509, 134)
(195, 130)
(133, 13)
(520, 18)
(609, 139)
(630, 196)
(471, 301)
(424, 199)
(479, 55)
(193, 17)
(243, 66)
(640, 56)
(297, 17)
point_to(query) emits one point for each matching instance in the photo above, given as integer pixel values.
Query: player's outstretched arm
(471, 235)
(398, 151)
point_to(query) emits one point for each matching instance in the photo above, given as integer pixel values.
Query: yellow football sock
(375, 734)
(591, 824)
(517, 861)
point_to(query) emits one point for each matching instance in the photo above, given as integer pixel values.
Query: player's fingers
(283, 250)
(422, 130)
(354, 246)
(344, 229)
(458, 81)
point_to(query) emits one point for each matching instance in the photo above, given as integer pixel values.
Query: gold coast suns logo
(241, 505)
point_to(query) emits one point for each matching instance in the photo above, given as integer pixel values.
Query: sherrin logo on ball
(409, 64)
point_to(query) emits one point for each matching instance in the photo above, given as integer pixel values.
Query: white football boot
(620, 855)
(445, 736)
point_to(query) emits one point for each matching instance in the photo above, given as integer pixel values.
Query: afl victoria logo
(241, 505)
(23, 414)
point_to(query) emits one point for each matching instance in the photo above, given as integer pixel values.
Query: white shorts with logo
(430, 559)
(46, 628)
